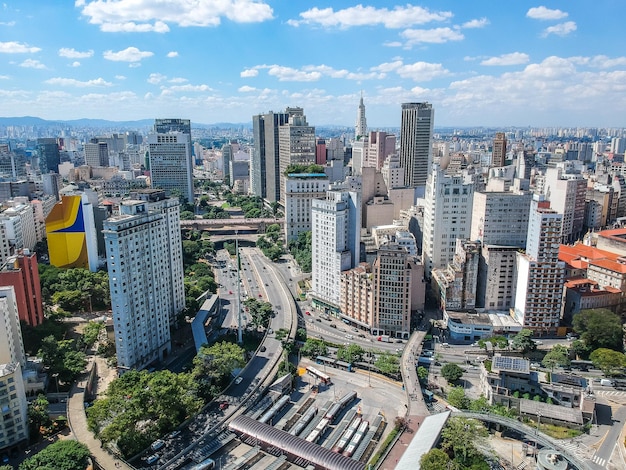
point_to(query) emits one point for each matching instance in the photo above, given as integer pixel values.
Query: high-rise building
(171, 164)
(447, 216)
(300, 191)
(360, 128)
(416, 134)
(380, 145)
(296, 144)
(165, 126)
(458, 281)
(357, 295)
(70, 227)
(21, 272)
(97, 153)
(14, 422)
(566, 189)
(144, 253)
(336, 230)
(49, 155)
(498, 153)
(540, 274)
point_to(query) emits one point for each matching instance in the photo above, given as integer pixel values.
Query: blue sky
(480, 62)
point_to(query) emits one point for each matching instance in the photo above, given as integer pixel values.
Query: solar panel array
(511, 364)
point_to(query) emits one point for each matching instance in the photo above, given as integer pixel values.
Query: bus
(428, 395)
(323, 378)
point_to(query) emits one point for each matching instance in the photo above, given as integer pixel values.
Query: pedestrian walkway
(396, 453)
(78, 420)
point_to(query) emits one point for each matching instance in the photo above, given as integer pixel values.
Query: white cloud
(120, 77)
(98, 82)
(288, 74)
(4, 77)
(249, 73)
(432, 36)
(472, 24)
(172, 54)
(561, 29)
(32, 64)
(7, 23)
(514, 58)
(543, 13)
(75, 64)
(418, 71)
(178, 80)
(13, 47)
(189, 87)
(130, 54)
(148, 16)
(156, 78)
(398, 17)
(132, 27)
(604, 62)
(392, 44)
(246, 89)
(74, 54)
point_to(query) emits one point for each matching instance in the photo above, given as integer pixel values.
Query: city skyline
(209, 61)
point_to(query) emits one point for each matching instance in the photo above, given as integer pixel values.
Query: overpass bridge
(231, 225)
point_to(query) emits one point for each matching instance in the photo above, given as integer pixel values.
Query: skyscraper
(360, 128)
(49, 155)
(416, 133)
(171, 165)
(296, 144)
(144, 253)
(165, 126)
(498, 153)
(96, 153)
(336, 230)
(264, 164)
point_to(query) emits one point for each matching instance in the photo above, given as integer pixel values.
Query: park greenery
(599, 328)
(271, 243)
(457, 398)
(610, 362)
(350, 353)
(61, 358)
(216, 212)
(251, 206)
(74, 290)
(213, 367)
(451, 372)
(296, 168)
(314, 347)
(65, 454)
(499, 342)
(139, 407)
(260, 311)
(557, 356)
(388, 364)
(523, 342)
(300, 248)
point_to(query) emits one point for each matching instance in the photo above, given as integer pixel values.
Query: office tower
(20, 225)
(144, 253)
(70, 228)
(14, 422)
(52, 183)
(171, 164)
(49, 155)
(21, 272)
(320, 151)
(227, 157)
(393, 173)
(416, 134)
(566, 189)
(360, 128)
(540, 274)
(498, 153)
(300, 190)
(447, 216)
(458, 281)
(618, 145)
(296, 144)
(357, 295)
(380, 145)
(336, 229)
(264, 165)
(392, 291)
(96, 153)
(165, 126)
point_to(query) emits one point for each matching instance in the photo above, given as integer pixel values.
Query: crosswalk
(610, 393)
(582, 451)
(600, 461)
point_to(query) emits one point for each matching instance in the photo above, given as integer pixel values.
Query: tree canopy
(608, 361)
(351, 353)
(388, 364)
(557, 356)
(74, 289)
(451, 372)
(213, 367)
(523, 341)
(599, 328)
(62, 358)
(61, 455)
(260, 311)
(314, 347)
(301, 250)
(462, 436)
(457, 398)
(436, 459)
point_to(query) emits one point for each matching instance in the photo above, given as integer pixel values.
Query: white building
(566, 189)
(144, 254)
(300, 190)
(171, 164)
(336, 224)
(393, 173)
(540, 274)
(14, 422)
(447, 216)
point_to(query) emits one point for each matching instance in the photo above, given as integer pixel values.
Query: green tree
(580, 349)
(301, 250)
(499, 342)
(608, 361)
(260, 311)
(61, 455)
(557, 356)
(457, 398)
(422, 373)
(92, 332)
(388, 364)
(451, 372)
(351, 353)
(437, 459)
(187, 215)
(462, 436)
(38, 415)
(314, 347)
(61, 357)
(214, 365)
(523, 341)
(599, 328)
(480, 404)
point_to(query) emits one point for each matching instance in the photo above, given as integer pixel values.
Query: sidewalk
(397, 451)
(78, 420)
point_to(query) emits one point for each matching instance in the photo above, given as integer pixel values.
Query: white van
(606, 382)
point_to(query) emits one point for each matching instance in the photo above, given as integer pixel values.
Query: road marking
(600, 461)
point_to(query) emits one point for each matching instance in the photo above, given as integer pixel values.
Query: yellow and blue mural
(67, 241)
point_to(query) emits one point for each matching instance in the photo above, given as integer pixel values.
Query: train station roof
(425, 439)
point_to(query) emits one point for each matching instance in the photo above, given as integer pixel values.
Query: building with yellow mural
(71, 232)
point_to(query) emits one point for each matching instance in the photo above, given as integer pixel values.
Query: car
(230, 291)
(399, 341)
(173, 434)
(332, 325)
(238, 380)
(152, 459)
(156, 445)
(224, 405)
(260, 296)
(317, 319)
(263, 349)
(361, 335)
(349, 337)
(307, 313)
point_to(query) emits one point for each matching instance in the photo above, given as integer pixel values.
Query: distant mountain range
(142, 123)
